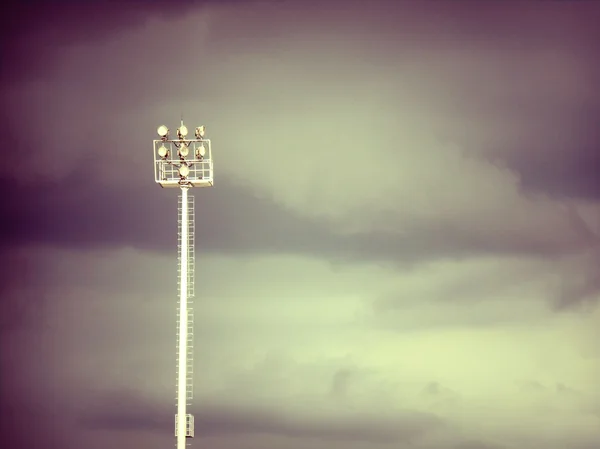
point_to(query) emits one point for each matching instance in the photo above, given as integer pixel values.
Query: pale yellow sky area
(295, 334)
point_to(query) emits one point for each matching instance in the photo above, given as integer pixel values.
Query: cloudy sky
(401, 250)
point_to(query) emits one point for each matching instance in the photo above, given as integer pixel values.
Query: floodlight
(200, 151)
(182, 131)
(163, 151)
(184, 150)
(163, 131)
(200, 131)
(184, 170)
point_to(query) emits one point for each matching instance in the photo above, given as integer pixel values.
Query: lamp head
(184, 171)
(184, 151)
(163, 152)
(200, 151)
(200, 132)
(163, 132)
(182, 132)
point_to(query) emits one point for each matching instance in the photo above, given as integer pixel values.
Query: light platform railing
(173, 170)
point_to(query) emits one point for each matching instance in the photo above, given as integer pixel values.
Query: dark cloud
(16, 413)
(128, 411)
(78, 212)
(15, 275)
(564, 163)
(81, 211)
(124, 410)
(534, 98)
(24, 397)
(35, 31)
(582, 288)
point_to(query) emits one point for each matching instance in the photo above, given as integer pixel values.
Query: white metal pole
(182, 365)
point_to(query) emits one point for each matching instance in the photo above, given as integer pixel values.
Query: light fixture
(182, 131)
(184, 170)
(184, 150)
(200, 151)
(163, 151)
(173, 170)
(163, 132)
(200, 131)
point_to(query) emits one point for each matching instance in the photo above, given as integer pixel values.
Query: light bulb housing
(200, 132)
(163, 132)
(200, 151)
(182, 132)
(184, 171)
(163, 152)
(184, 151)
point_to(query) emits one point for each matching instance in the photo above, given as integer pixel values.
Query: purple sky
(401, 249)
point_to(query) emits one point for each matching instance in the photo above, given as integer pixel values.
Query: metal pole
(182, 365)
(173, 168)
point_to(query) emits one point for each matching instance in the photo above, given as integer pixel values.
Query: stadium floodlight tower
(184, 163)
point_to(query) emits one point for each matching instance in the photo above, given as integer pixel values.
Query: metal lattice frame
(166, 170)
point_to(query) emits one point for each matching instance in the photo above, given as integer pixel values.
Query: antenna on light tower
(174, 166)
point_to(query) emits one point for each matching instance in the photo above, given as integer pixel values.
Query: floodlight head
(184, 150)
(200, 151)
(163, 132)
(200, 132)
(184, 171)
(182, 131)
(163, 152)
